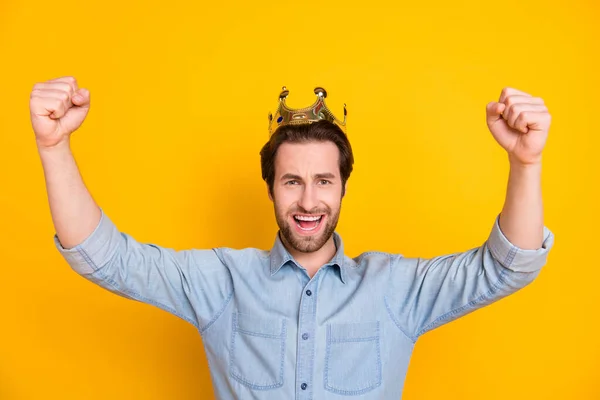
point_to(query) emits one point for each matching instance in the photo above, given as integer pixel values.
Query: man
(303, 320)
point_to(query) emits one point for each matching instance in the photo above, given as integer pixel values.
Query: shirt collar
(280, 256)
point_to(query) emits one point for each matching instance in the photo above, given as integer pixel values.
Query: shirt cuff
(515, 258)
(95, 251)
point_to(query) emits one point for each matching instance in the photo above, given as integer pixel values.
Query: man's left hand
(519, 122)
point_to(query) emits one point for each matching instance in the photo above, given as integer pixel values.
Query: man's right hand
(57, 107)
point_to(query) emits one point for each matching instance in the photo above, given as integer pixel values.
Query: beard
(312, 243)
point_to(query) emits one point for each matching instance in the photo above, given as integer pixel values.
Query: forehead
(307, 158)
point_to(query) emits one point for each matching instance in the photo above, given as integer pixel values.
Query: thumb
(81, 98)
(75, 116)
(494, 111)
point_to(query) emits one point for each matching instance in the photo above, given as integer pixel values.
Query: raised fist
(58, 107)
(520, 123)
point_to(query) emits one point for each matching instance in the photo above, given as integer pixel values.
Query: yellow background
(180, 96)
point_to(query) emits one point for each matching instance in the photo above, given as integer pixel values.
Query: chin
(307, 240)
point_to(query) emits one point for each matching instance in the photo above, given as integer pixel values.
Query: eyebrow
(324, 175)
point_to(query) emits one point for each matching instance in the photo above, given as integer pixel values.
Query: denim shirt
(271, 332)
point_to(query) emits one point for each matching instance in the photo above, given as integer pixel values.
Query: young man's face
(307, 193)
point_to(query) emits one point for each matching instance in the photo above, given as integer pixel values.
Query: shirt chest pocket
(353, 358)
(257, 351)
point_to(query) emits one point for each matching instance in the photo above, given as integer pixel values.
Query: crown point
(319, 91)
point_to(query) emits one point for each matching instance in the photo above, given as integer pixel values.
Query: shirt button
(305, 336)
(304, 386)
(308, 293)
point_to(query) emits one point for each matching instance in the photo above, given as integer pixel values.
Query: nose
(308, 199)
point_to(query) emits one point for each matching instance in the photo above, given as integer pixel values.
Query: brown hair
(320, 131)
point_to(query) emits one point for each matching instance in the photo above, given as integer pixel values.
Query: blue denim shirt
(271, 332)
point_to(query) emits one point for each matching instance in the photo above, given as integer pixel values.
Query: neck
(312, 261)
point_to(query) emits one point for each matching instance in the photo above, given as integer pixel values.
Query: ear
(269, 193)
(345, 189)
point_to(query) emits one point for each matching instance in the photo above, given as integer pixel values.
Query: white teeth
(307, 229)
(303, 218)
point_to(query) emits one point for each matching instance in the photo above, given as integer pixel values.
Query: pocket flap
(260, 326)
(353, 332)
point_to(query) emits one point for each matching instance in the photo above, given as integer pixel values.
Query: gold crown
(316, 112)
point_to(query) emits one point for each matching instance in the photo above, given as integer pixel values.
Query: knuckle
(65, 86)
(72, 82)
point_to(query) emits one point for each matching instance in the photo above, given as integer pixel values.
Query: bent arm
(432, 292)
(191, 284)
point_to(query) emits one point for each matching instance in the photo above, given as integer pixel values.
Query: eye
(324, 182)
(292, 182)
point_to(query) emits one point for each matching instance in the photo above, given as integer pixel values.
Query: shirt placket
(305, 339)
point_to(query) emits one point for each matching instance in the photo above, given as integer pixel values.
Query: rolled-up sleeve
(515, 258)
(95, 251)
(194, 285)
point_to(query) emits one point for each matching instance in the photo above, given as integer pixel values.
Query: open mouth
(308, 223)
